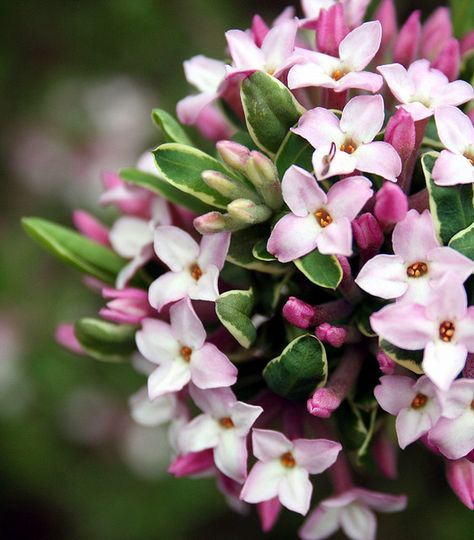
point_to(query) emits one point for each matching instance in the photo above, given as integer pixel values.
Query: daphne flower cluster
(328, 242)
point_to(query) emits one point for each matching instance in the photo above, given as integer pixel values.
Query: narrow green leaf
(171, 129)
(182, 166)
(106, 341)
(164, 189)
(74, 249)
(463, 241)
(322, 270)
(409, 359)
(270, 110)
(299, 370)
(452, 207)
(260, 252)
(234, 309)
(294, 150)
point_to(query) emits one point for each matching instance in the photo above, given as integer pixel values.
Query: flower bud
(233, 154)
(386, 364)
(268, 512)
(460, 476)
(334, 335)
(331, 29)
(127, 306)
(192, 463)
(259, 30)
(408, 40)
(227, 186)
(387, 16)
(368, 235)
(212, 222)
(246, 211)
(66, 337)
(261, 171)
(449, 59)
(400, 133)
(467, 43)
(437, 30)
(391, 204)
(90, 227)
(299, 313)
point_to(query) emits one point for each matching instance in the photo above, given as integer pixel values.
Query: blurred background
(77, 83)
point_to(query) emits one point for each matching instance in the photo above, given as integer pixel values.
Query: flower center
(323, 217)
(419, 401)
(196, 272)
(226, 422)
(338, 74)
(186, 353)
(348, 148)
(287, 460)
(417, 269)
(446, 331)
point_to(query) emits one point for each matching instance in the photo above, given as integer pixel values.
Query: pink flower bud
(391, 204)
(259, 30)
(90, 227)
(192, 463)
(467, 43)
(213, 125)
(268, 512)
(65, 336)
(299, 313)
(460, 476)
(331, 29)
(386, 364)
(368, 235)
(234, 154)
(407, 43)
(127, 306)
(437, 30)
(212, 222)
(449, 59)
(334, 335)
(387, 16)
(401, 134)
(385, 455)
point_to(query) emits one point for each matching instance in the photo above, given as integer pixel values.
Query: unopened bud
(212, 222)
(386, 364)
(262, 172)
(460, 476)
(233, 154)
(408, 40)
(331, 29)
(437, 30)
(227, 186)
(334, 335)
(448, 60)
(368, 235)
(246, 211)
(299, 313)
(391, 204)
(387, 16)
(401, 134)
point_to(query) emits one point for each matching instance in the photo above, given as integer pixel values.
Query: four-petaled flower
(284, 467)
(344, 145)
(223, 426)
(194, 268)
(317, 219)
(182, 354)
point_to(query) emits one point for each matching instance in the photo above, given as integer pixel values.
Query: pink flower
(182, 354)
(444, 328)
(453, 435)
(416, 404)
(194, 268)
(456, 164)
(130, 199)
(272, 57)
(422, 89)
(418, 264)
(460, 475)
(224, 427)
(353, 512)
(342, 146)
(284, 467)
(90, 227)
(356, 51)
(317, 219)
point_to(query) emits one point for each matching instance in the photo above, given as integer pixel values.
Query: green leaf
(322, 270)
(294, 150)
(270, 110)
(409, 359)
(452, 207)
(462, 15)
(241, 251)
(106, 341)
(234, 309)
(299, 370)
(463, 242)
(260, 252)
(171, 129)
(74, 249)
(182, 166)
(164, 189)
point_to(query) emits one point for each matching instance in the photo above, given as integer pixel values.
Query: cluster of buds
(301, 289)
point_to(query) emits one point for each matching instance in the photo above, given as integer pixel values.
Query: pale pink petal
(465, 330)
(201, 433)
(358, 48)
(414, 237)
(175, 247)
(189, 108)
(455, 129)
(315, 455)
(263, 482)
(130, 269)
(295, 490)
(417, 110)
(415, 332)
(454, 438)
(230, 455)
(382, 502)
(411, 424)
(206, 287)
(309, 74)
(398, 80)
(301, 192)
(185, 324)
(279, 44)
(454, 93)
(394, 393)
(156, 341)
(347, 197)
(268, 444)
(452, 169)
(384, 276)
(210, 368)
(459, 398)
(321, 523)
(213, 250)
(379, 158)
(336, 238)
(168, 377)
(449, 300)
(245, 54)
(320, 127)
(446, 259)
(340, 163)
(129, 235)
(216, 402)
(292, 237)
(204, 73)
(244, 416)
(168, 288)
(442, 362)
(354, 11)
(151, 413)
(362, 80)
(362, 118)
(358, 522)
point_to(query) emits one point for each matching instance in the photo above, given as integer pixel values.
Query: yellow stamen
(323, 217)
(288, 460)
(186, 353)
(196, 272)
(419, 401)
(446, 331)
(347, 148)
(226, 422)
(417, 269)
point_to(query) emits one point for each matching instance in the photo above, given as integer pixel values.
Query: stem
(407, 173)
(348, 287)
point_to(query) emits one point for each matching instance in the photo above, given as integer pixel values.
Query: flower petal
(230, 455)
(309, 74)
(292, 237)
(336, 238)
(295, 490)
(411, 424)
(358, 48)
(243, 416)
(321, 523)
(414, 237)
(206, 288)
(301, 192)
(442, 362)
(320, 127)
(362, 118)
(454, 93)
(189, 108)
(379, 158)
(445, 259)
(262, 482)
(129, 235)
(268, 444)
(398, 80)
(175, 247)
(358, 522)
(452, 169)
(279, 44)
(168, 288)
(210, 368)
(151, 413)
(213, 250)
(339, 163)
(347, 197)
(454, 438)
(156, 341)
(394, 393)
(185, 324)
(383, 276)
(201, 433)
(465, 330)
(168, 377)
(455, 129)
(361, 80)
(316, 455)
(245, 54)
(216, 402)
(204, 73)
(382, 502)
